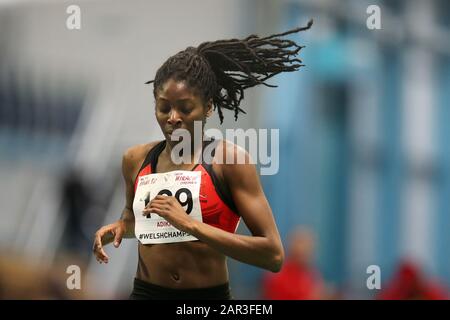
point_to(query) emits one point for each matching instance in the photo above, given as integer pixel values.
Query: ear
(209, 108)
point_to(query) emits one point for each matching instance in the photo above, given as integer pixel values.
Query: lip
(170, 131)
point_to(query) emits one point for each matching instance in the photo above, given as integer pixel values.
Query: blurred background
(364, 174)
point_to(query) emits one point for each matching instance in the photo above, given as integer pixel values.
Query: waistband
(143, 290)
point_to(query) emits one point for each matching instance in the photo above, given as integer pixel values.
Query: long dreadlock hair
(223, 69)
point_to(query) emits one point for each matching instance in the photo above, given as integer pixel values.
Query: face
(178, 106)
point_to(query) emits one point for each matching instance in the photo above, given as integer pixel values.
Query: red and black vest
(217, 206)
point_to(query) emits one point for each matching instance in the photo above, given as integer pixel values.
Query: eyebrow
(178, 100)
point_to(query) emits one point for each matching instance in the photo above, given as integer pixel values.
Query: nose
(174, 118)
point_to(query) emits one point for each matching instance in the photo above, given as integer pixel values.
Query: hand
(170, 209)
(106, 235)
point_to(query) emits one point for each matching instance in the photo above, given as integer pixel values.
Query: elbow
(276, 264)
(277, 261)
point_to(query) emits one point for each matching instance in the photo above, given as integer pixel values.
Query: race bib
(184, 186)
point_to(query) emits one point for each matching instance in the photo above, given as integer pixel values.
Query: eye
(186, 108)
(163, 107)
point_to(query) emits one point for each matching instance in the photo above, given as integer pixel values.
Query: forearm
(128, 218)
(259, 251)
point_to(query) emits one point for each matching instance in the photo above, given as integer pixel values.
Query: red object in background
(409, 283)
(293, 282)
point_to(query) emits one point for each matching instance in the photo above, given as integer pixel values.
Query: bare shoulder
(235, 162)
(136, 152)
(134, 156)
(237, 167)
(230, 154)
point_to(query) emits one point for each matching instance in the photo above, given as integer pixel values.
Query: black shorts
(143, 290)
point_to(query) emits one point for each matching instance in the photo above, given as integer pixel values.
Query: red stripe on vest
(214, 210)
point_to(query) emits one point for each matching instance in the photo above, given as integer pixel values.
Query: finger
(163, 197)
(160, 202)
(118, 238)
(105, 256)
(149, 209)
(98, 247)
(152, 202)
(155, 199)
(98, 256)
(157, 210)
(97, 242)
(101, 255)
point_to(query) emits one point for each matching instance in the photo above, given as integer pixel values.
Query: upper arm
(132, 160)
(128, 169)
(248, 195)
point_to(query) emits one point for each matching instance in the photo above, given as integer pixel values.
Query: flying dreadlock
(222, 70)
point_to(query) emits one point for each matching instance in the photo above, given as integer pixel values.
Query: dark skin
(195, 264)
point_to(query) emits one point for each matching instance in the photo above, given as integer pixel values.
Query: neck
(188, 152)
